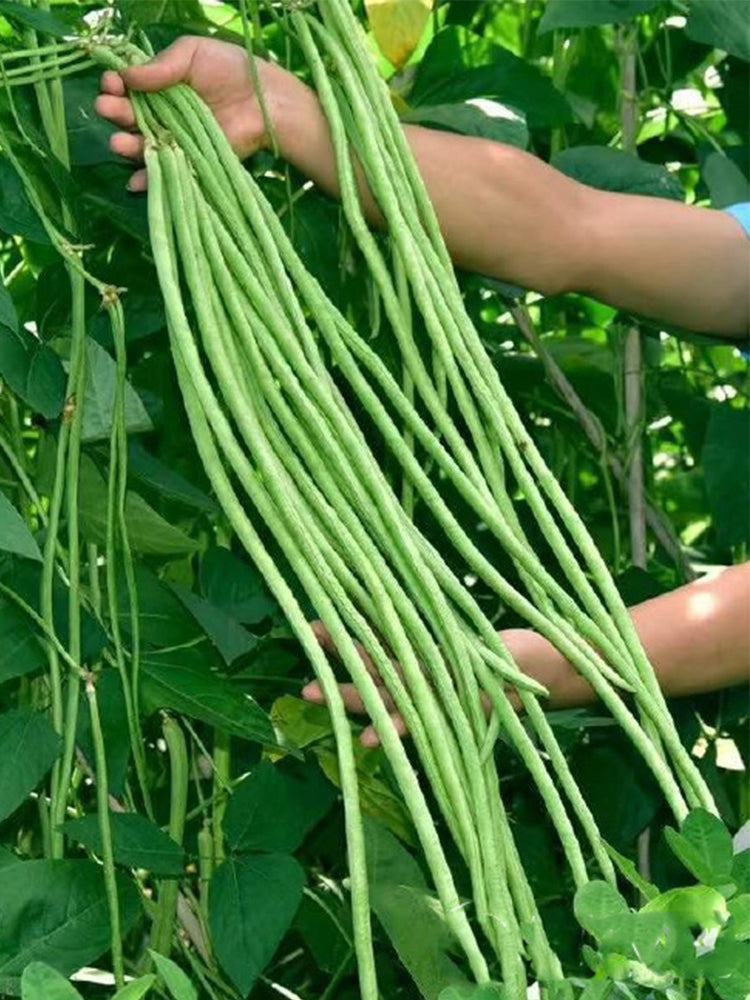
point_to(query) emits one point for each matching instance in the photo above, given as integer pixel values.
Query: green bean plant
(231, 407)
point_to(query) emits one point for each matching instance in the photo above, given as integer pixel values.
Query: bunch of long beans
(256, 369)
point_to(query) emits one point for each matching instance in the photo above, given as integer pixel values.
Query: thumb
(170, 66)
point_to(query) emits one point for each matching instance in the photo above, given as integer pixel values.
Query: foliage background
(218, 656)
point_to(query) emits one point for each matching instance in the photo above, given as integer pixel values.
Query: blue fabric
(741, 212)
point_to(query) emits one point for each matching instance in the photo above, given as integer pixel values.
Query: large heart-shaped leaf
(57, 912)
(252, 904)
(274, 807)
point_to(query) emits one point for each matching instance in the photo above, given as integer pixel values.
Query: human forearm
(697, 638)
(512, 216)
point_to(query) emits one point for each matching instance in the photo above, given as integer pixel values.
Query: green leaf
(459, 65)
(739, 911)
(274, 808)
(42, 982)
(722, 24)
(99, 398)
(235, 587)
(174, 978)
(225, 632)
(137, 989)
(8, 316)
(149, 533)
(184, 681)
(726, 467)
(300, 722)
(600, 909)
(33, 371)
(163, 619)
(17, 217)
(584, 13)
(28, 748)
(741, 870)
(660, 941)
(57, 912)
(251, 906)
(137, 842)
(15, 537)
(55, 24)
(727, 968)
(629, 871)
(170, 484)
(410, 914)
(704, 846)
(694, 904)
(615, 170)
(21, 652)
(88, 133)
(726, 183)
(479, 117)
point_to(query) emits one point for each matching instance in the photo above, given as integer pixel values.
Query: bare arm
(513, 216)
(697, 639)
(517, 218)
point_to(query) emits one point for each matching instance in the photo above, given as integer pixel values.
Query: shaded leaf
(458, 65)
(21, 652)
(56, 912)
(584, 13)
(184, 681)
(136, 841)
(275, 807)
(726, 183)
(629, 871)
(226, 634)
(726, 467)
(33, 371)
(149, 532)
(721, 23)
(99, 397)
(17, 217)
(153, 472)
(409, 913)
(479, 117)
(615, 170)
(235, 587)
(15, 537)
(252, 904)
(28, 748)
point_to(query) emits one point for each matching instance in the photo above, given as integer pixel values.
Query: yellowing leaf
(397, 26)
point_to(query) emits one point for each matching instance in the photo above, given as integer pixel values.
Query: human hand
(533, 654)
(220, 73)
